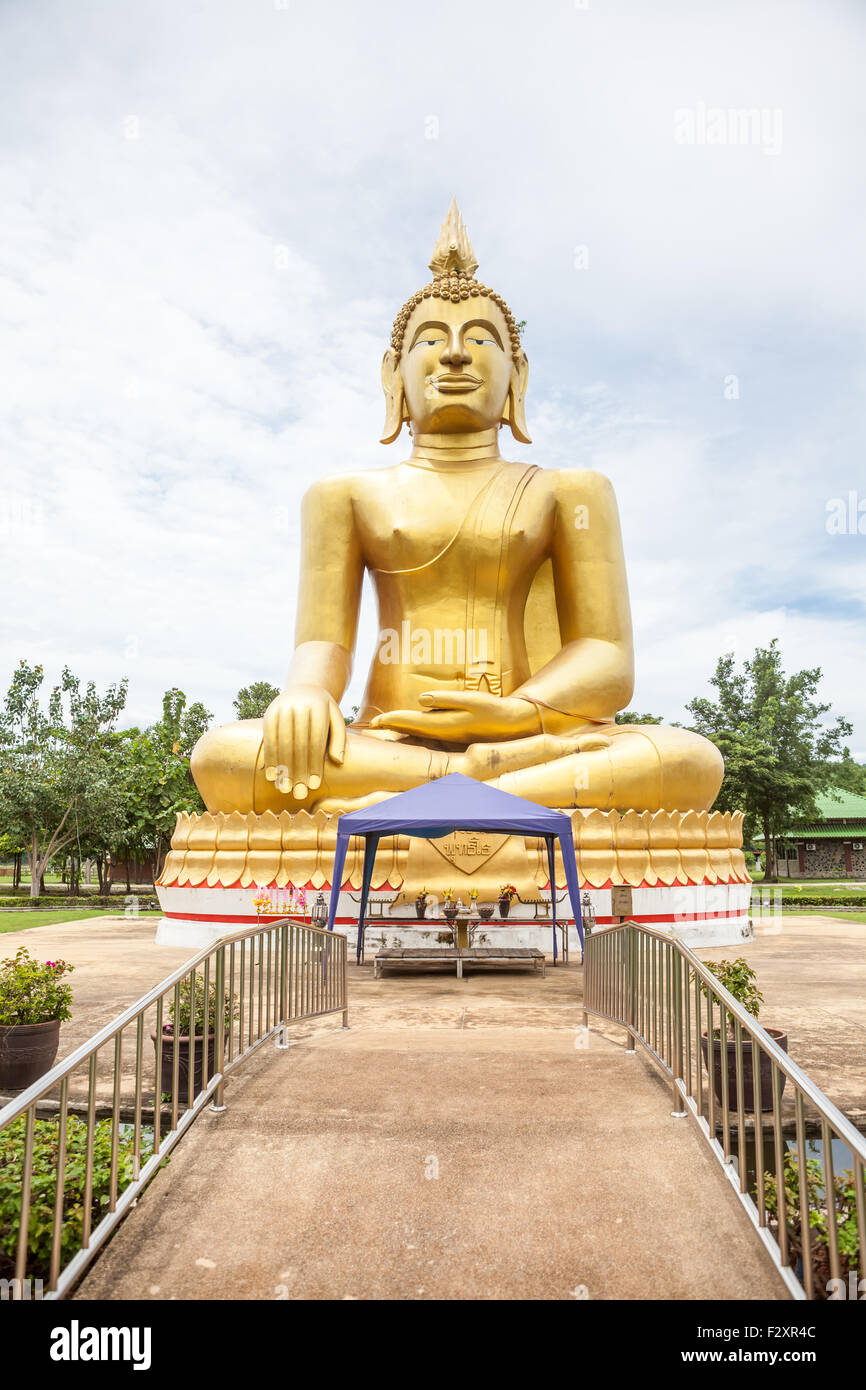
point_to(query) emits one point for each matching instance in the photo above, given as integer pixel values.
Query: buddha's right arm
(304, 723)
(325, 664)
(329, 596)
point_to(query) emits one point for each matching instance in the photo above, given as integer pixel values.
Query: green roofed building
(834, 845)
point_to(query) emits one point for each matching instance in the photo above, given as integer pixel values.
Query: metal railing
(250, 986)
(727, 1072)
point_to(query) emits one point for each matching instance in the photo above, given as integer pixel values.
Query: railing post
(343, 949)
(631, 988)
(588, 986)
(678, 1111)
(218, 1103)
(282, 1043)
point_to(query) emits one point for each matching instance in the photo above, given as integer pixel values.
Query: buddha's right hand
(302, 726)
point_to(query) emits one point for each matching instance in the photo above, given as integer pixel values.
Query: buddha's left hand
(460, 716)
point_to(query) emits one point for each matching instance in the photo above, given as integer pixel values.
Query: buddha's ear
(395, 401)
(515, 406)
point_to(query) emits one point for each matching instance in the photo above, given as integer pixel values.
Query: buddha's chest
(427, 526)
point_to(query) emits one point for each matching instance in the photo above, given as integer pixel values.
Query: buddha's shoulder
(352, 486)
(568, 482)
(341, 487)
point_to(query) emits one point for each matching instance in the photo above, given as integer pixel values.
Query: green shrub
(738, 978)
(31, 992)
(182, 1022)
(44, 1186)
(791, 898)
(845, 1209)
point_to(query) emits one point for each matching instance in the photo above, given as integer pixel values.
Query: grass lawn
(855, 886)
(19, 921)
(810, 891)
(811, 895)
(840, 916)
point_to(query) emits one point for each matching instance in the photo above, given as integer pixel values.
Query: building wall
(826, 859)
(140, 871)
(858, 860)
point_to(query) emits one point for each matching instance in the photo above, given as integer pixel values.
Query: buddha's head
(455, 364)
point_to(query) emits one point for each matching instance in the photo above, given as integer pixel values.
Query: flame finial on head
(453, 250)
(453, 266)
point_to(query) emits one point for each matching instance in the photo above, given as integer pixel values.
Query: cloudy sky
(212, 211)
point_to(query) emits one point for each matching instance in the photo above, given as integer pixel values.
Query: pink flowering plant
(31, 991)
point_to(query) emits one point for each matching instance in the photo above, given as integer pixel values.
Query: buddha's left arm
(592, 676)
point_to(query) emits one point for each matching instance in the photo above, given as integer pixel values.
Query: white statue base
(683, 872)
(698, 914)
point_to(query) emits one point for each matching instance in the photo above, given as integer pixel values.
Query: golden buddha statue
(505, 646)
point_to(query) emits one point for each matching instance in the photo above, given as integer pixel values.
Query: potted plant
(739, 979)
(33, 1004)
(843, 1207)
(449, 911)
(186, 1032)
(506, 893)
(421, 903)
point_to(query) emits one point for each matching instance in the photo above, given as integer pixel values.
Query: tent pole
(337, 876)
(551, 868)
(566, 844)
(371, 844)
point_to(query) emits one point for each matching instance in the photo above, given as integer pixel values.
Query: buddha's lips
(453, 382)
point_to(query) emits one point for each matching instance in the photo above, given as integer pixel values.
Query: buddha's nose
(454, 353)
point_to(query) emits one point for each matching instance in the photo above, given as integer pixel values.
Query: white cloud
(195, 316)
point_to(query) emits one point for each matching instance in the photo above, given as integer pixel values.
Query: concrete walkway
(454, 1143)
(559, 1169)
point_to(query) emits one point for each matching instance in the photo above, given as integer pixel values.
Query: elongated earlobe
(515, 407)
(395, 401)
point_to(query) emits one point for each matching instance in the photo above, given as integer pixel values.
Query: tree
(14, 850)
(253, 700)
(57, 774)
(630, 716)
(849, 775)
(106, 827)
(159, 782)
(769, 729)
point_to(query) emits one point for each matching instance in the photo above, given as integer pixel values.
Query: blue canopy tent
(434, 810)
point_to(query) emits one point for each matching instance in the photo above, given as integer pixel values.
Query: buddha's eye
(429, 342)
(482, 342)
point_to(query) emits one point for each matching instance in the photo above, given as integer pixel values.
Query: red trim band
(648, 917)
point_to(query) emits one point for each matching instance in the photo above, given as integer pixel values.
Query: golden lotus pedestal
(686, 871)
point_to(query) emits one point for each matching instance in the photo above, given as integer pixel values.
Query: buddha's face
(456, 366)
